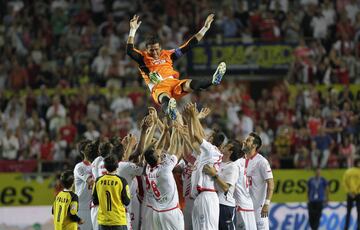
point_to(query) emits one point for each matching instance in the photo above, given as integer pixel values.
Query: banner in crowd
(291, 185)
(18, 166)
(295, 216)
(18, 189)
(240, 58)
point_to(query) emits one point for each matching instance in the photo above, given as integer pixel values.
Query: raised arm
(129, 143)
(130, 49)
(145, 123)
(197, 128)
(175, 142)
(153, 118)
(161, 142)
(180, 51)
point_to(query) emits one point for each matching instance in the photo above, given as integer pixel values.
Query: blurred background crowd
(64, 75)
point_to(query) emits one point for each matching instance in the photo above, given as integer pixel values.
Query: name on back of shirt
(62, 200)
(108, 182)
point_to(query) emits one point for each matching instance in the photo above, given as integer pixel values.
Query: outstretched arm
(193, 40)
(130, 49)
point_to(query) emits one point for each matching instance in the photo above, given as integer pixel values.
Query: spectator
(18, 76)
(347, 152)
(324, 144)
(46, 148)
(319, 26)
(9, 145)
(100, 64)
(245, 125)
(291, 29)
(91, 133)
(301, 158)
(318, 196)
(68, 132)
(56, 116)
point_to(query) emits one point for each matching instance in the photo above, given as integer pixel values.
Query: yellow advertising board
(243, 56)
(17, 189)
(291, 185)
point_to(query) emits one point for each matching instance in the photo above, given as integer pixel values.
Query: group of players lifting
(129, 184)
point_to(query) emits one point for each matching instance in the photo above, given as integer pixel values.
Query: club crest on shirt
(158, 61)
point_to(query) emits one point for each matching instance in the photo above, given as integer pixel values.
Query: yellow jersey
(351, 180)
(111, 192)
(65, 210)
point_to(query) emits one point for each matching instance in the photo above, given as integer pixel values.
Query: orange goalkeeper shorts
(170, 86)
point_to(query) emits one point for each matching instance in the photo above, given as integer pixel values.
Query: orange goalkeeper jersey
(163, 65)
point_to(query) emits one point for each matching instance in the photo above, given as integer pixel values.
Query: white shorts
(245, 220)
(261, 223)
(168, 220)
(94, 211)
(134, 209)
(145, 218)
(85, 214)
(189, 205)
(206, 211)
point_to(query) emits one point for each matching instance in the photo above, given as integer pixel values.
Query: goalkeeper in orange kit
(156, 67)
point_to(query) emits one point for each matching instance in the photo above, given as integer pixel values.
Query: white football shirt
(98, 168)
(209, 154)
(82, 172)
(162, 193)
(258, 170)
(242, 195)
(186, 177)
(229, 173)
(128, 171)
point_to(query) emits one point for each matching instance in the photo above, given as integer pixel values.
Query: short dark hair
(67, 179)
(82, 146)
(151, 40)
(111, 163)
(236, 150)
(218, 139)
(105, 149)
(92, 150)
(150, 157)
(118, 150)
(257, 140)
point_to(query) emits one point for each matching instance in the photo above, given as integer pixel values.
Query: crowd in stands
(62, 54)
(312, 129)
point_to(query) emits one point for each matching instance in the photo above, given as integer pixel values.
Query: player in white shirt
(205, 214)
(226, 180)
(245, 215)
(129, 170)
(161, 189)
(83, 181)
(260, 179)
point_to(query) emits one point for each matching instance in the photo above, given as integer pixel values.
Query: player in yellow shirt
(111, 192)
(351, 182)
(65, 207)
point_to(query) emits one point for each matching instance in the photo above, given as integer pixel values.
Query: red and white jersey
(82, 172)
(162, 193)
(229, 172)
(242, 195)
(258, 170)
(128, 171)
(209, 154)
(186, 177)
(98, 168)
